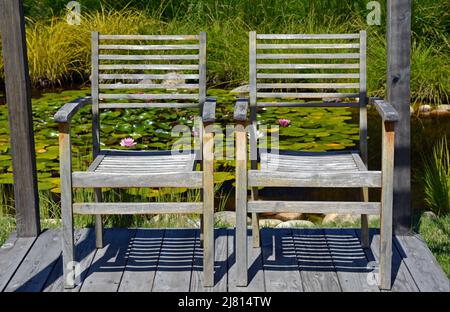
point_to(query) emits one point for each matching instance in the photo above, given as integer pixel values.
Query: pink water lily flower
(127, 142)
(284, 122)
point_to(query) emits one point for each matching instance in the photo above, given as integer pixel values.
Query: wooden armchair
(137, 69)
(342, 66)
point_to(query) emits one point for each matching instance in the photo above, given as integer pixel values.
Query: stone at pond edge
(288, 216)
(181, 221)
(228, 218)
(429, 214)
(295, 224)
(264, 223)
(424, 108)
(340, 218)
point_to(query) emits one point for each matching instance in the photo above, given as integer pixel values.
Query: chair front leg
(208, 208)
(66, 205)
(98, 220)
(387, 172)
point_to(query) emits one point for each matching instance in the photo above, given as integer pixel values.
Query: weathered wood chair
(316, 62)
(138, 68)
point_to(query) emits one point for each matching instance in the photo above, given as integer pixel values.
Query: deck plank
(12, 254)
(255, 266)
(175, 263)
(143, 258)
(220, 264)
(402, 280)
(37, 266)
(315, 261)
(349, 260)
(422, 265)
(279, 260)
(109, 262)
(85, 245)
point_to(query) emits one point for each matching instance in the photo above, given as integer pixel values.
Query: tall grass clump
(437, 179)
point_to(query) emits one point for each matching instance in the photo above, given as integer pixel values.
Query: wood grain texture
(386, 111)
(261, 206)
(136, 208)
(18, 97)
(307, 36)
(65, 113)
(240, 110)
(149, 37)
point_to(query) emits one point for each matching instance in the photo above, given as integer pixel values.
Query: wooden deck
(297, 260)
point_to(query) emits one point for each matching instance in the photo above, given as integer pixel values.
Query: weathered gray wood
(364, 197)
(148, 47)
(65, 161)
(307, 104)
(100, 179)
(18, 97)
(306, 76)
(107, 268)
(308, 85)
(209, 111)
(350, 262)
(175, 262)
(254, 271)
(307, 46)
(38, 264)
(261, 206)
(85, 251)
(402, 281)
(208, 206)
(287, 56)
(307, 36)
(281, 272)
(241, 205)
(136, 208)
(387, 167)
(148, 67)
(398, 95)
(252, 62)
(147, 76)
(422, 265)
(147, 57)
(167, 96)
(98, 220)
(140, 269)
(149, 37)
(305, 95)
(240, 110)
(386, 111)
(95, 94)
(147, 86)
(65, 113)
(202, 69)
(221, 267)
(149, 105)
(315, 179)
(12, 253)
(307, 66)
(315, 262)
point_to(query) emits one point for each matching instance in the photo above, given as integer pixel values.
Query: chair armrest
(209, 110)
(386, 111)
(240, 110)
(65, 113)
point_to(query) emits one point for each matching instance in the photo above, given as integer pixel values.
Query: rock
(430, 215)
(411, 110)
(295, 224)
(424, 108)
(340, 218)
(440, 112)
(227, 218)
(267, 214)
(241, 90)
(444, 106)
(146, 81)
(288, 216)
(265, 223)
(180, 221)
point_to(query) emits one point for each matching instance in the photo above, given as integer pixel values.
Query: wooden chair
(320, 67)
(137, 64)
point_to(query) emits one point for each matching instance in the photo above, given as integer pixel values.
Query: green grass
(436, 233)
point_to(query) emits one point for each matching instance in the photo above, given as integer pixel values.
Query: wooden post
(398, 94)
(18, 97)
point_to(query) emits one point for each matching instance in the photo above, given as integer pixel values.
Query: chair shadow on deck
(177, 250)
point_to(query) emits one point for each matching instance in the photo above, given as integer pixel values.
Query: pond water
(310, 129)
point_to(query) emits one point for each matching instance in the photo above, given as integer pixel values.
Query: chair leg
(386, 248)
(98, 221)
(365, 221)
(255, 221)
(68, 245)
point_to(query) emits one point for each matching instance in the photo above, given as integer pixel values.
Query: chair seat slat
(307, 66)
(148, 47)
(174, 96)
(306, 95)
(307, 36)
(306, 46)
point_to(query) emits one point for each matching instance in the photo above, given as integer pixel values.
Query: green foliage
(436, 233)
(437, 179)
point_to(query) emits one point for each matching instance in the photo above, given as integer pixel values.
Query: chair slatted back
(147, 71)
(309, 70)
